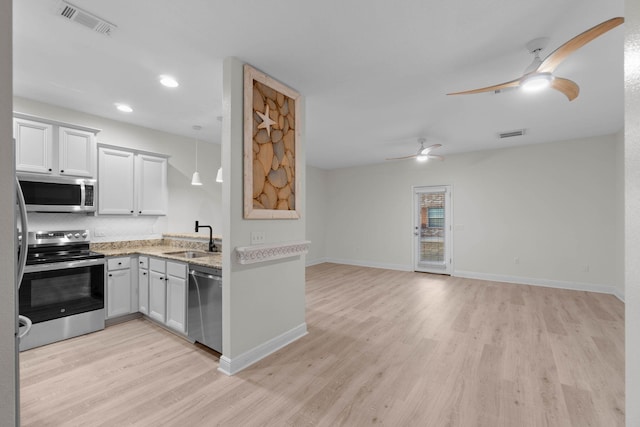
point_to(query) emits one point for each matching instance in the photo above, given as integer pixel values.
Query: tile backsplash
(102, 228)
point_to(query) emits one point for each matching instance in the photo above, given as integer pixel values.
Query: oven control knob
(70, 235)
(77, 235)
(84, 235)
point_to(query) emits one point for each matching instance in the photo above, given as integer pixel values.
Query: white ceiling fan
(424, 153)
(539, 74)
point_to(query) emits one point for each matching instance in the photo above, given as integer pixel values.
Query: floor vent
(82, 17)
(511, 134)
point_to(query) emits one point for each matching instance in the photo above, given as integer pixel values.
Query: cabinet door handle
(139, 212)
(144, 274)
(119, 263)
(61, 170)
(166, 279)
(131, 211)
(50, 169)
(110, 275)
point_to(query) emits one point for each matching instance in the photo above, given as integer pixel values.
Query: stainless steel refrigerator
(23, 325)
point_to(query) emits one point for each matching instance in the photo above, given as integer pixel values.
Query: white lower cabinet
(168, 293)
(153, 286)
(118, 287)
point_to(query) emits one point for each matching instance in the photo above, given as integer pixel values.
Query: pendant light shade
(195, 179)
(218, 176)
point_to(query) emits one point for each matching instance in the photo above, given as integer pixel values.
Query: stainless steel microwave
(58, 193)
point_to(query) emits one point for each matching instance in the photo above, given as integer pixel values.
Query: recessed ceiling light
(124, 108)
(168, 81)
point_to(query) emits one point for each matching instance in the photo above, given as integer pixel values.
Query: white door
(76, 152)
(143, 291)
(151, 174)
(118, 292)
(115, 182)
(176, 303)
(34, 146)
(432, 229)
(157, 296)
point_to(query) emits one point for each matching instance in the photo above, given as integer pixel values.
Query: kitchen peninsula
(174, 281)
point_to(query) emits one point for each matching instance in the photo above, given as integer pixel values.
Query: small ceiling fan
(424, 153)
(539, 74)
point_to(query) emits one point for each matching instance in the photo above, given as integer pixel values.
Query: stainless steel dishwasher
(204, 314)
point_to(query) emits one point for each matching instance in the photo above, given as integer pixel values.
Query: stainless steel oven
(62, 290)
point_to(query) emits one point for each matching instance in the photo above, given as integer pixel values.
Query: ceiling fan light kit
(539, 74)
(536, 82)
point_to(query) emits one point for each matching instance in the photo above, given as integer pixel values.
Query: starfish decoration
(266, 121)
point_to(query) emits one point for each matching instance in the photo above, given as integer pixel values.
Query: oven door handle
(36, 268)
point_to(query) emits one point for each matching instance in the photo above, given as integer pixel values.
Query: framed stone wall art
(271, 146)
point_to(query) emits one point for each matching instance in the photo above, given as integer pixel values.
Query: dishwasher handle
(197, 273)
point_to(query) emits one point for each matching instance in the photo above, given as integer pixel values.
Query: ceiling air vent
(511, 134)
(82, 17)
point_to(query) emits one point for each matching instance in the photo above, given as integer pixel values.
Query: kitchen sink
(189, 254)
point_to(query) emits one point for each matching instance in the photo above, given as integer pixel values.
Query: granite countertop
(159, 248)
(160, 251)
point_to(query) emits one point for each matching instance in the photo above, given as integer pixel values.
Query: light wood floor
(384, 348)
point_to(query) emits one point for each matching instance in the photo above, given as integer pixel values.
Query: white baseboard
(233, 366)
(313, 262)
(360, 263)
(560, 284)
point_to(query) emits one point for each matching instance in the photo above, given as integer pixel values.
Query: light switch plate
(257, 237)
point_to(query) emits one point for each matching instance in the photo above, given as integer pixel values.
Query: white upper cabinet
(115, 181)
(34, 146)
(152, 185)
(131, 183)
(77, 152)
(49, 147)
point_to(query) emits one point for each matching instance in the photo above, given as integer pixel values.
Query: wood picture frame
(271, 146)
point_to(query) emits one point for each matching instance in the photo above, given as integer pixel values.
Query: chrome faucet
(211, 245)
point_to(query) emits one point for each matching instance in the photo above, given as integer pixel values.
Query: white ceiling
(374, 72)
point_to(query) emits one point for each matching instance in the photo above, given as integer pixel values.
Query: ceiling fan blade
(566, 86)
(554, 59)
(402, 158)
(436, 156)
(512, 83)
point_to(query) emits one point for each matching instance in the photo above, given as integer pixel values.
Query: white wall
(316, 211)
(8, 413)
(186, 202)
(554, 206)
(632, 209)
(261, 302)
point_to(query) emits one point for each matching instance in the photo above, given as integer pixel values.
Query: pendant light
(195, 180)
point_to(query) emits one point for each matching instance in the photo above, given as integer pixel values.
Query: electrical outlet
(99, 232)
(257, 237)
(516, 260)
(585, 268)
